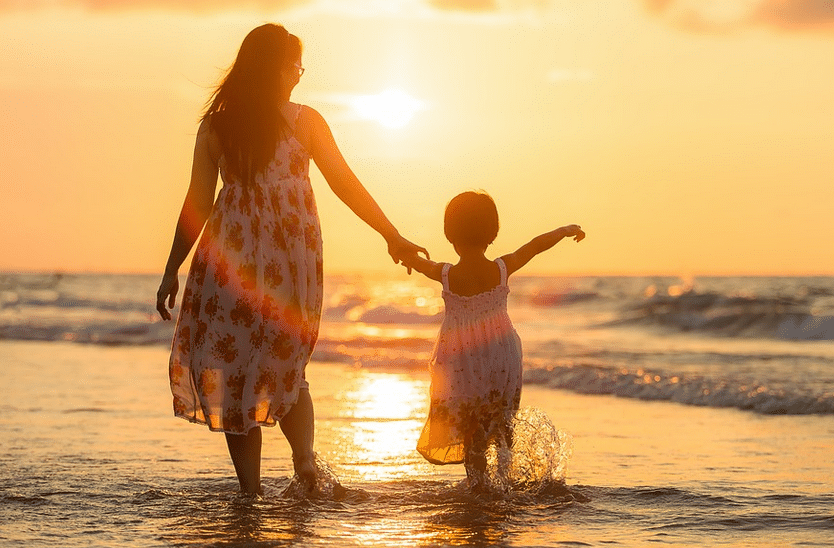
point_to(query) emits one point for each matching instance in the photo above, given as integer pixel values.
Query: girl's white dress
(475, 372)
(252, 302)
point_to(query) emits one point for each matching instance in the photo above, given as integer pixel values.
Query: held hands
(573, 230)
(401, 250)
(168, 288)
(409, 262)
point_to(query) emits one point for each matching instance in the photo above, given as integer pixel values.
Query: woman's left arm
(195, 210)
(349, 189)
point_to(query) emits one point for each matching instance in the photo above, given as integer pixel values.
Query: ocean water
(687, 412)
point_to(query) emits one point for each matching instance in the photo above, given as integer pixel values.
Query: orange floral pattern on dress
(233, 418)
(207, 383)
(200, 337)
(184, 339)
(235, 238)
(242, 313)
(272, 274)
(221, 273)
(298, 164)
(176, 372)
(225, 349)
(292, 199)
(256, 338)
(290, 378)
(267, 381)
(180, 406)
(212, 307)
(248, 276)
(282, 346)
(236, 384)
(292, 225)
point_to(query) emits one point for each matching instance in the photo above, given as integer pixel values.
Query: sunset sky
(686, 137)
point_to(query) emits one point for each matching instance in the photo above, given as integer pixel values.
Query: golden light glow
(389, 397)
(391, 108)
(526, 115)
(389, 411)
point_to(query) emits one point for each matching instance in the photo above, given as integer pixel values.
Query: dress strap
(444, 276)
(290, 112)
(503, 268)
(296, 114)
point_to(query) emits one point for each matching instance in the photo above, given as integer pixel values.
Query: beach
(92, 455)
(677, 365)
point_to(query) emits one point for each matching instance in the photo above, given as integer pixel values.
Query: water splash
(327, 485)
(536, 462)
(540, 452)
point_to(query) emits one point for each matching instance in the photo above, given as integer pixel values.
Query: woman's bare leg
(245, 450)
(299, 428)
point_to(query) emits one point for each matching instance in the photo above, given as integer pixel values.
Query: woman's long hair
(244, 110)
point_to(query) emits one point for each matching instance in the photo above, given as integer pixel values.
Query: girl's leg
(507, 433)
(245, 450)
(299, 428)
(504, 444)
(475, 458)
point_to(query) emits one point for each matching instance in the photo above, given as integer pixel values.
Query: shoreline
(375, 415)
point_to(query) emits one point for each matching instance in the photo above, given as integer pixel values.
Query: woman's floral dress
(475, 372)
(251, 306)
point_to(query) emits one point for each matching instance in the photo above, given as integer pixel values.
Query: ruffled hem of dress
(195, 420)
(439, 462)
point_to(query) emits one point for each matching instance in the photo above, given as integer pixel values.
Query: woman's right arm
(349, 189)
(195, 210)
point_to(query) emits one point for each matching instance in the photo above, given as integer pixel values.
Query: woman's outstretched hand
(401, 249)
(168, 288)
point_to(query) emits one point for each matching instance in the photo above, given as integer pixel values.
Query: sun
(391, 108)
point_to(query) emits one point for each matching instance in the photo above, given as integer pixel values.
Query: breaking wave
(790, 318)
(694, 390)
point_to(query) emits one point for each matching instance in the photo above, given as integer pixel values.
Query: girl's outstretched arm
(427, 268)
(523, 254)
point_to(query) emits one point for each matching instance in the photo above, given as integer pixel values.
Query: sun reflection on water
(385, 413)
(387, 397)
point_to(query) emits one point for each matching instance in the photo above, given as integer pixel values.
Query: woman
(252, 303)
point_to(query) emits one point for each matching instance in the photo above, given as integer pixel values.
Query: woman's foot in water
(305, 469)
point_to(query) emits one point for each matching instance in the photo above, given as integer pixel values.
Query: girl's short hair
(471, 219)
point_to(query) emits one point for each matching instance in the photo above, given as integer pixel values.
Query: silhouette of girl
(476, 364)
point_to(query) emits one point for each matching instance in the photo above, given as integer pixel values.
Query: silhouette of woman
(252, 301)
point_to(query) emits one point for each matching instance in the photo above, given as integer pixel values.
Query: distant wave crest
(701, 391)
(714, 313)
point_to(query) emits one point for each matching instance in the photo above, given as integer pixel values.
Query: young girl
(476, 364)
